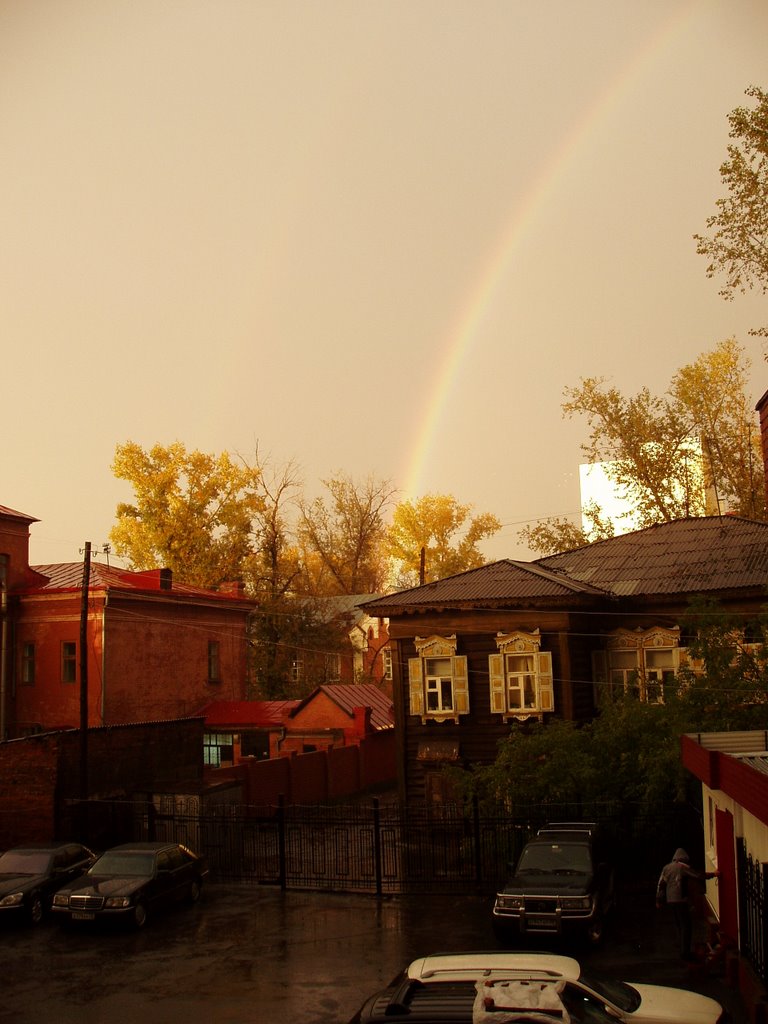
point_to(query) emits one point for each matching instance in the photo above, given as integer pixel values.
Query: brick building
(155, 648)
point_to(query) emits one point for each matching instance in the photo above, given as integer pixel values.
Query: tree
(691, 451)
(275, 574)
(549, 536)
(342, 537)
(444, 530)
(193, 512)
(738, 243)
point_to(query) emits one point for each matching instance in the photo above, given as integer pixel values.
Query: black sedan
(29, 876)
(131, 881)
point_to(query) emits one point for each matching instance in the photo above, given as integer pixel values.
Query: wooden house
(477, 653)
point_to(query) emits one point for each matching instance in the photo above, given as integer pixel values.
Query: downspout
(3, 643)
(104, 656)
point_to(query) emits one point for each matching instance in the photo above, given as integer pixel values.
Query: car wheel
(139, 915)
(35, 910)
(194, 891)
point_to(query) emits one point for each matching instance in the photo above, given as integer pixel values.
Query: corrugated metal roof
(502, 581)
(349, 696)
(69, 576)
(254, 713)
(11, 513)
(685, 556)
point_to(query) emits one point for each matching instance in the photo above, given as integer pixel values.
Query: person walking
(675, 890)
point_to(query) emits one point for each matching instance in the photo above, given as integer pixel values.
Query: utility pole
(84, 673)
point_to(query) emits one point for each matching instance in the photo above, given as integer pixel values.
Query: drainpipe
(3, 643)
(104, 656)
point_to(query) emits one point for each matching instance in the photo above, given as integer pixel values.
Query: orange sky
(372, 237)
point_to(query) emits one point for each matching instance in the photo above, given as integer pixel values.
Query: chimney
(362, 726)
(166, 579)
(234, 588)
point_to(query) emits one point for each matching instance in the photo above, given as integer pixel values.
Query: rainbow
(476, 307)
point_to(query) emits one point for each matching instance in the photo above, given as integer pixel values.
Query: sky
(369, 238)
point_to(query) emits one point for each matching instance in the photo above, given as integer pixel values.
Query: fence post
(377, 844)
(283, 868)
(476, 836)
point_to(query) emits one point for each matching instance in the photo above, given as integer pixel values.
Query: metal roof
(69, 576)
(253, 713)
(503, 581)
(349, 696)
(686, 556)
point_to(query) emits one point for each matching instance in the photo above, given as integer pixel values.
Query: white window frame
(386, 658)
(438, 680)
(636, 649)
(520, 665)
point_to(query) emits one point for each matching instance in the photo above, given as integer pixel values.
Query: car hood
(19, 883)
(536, 884)
(674, 1004)
(106, 885)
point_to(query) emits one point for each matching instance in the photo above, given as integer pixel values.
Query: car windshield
(616, 992)
(124, 862)
(556, 858)
(25, 862)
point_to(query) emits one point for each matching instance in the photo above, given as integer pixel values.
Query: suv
(467, 988)
(563, 884)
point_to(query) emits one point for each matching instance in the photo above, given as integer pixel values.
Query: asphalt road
(257, 955)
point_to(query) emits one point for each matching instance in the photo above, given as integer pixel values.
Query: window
(641, 662)
(386, 657)
(218, 748)
(69, 661)
(520, 676)
(297, 670)
(333, 667)
(214, 667)
(438, 680)
(28, 664)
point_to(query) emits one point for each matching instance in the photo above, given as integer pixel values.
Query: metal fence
(753, 910)
(376, 846)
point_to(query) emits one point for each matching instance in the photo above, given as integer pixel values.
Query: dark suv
(563, 885)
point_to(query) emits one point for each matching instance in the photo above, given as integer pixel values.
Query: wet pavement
(258, 955)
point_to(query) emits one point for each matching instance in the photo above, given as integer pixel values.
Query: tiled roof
(498, 582)
(686, 556)
(349, 696)
(254, 713)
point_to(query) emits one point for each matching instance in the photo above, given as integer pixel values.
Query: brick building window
(214, 666)
(69, 661)
(28, 664)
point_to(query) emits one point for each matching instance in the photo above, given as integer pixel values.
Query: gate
(374, 847)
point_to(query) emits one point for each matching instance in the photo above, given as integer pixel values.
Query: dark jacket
(673, 881)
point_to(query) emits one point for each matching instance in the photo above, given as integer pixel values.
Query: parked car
(563, 884)
(467, 987)
(131, 881)
(29, 876)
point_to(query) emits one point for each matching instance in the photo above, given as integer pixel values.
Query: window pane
(659, 658)
(438, 666)
(622, 659)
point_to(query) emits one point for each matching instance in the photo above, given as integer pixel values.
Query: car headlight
(60, 900)
(118, 902)
(13, 899)
(504, 902)
(582, 903)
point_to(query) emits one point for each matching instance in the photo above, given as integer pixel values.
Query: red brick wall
(155, 666)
